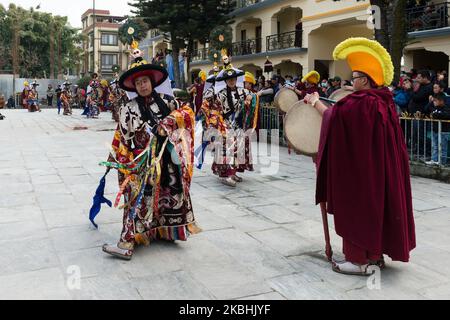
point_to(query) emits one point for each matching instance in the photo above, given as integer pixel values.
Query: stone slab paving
(263, 240)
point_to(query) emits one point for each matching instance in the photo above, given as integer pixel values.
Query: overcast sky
(73, 8)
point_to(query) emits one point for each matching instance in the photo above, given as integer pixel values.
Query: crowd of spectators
(425, 94)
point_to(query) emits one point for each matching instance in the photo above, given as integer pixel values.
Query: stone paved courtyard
(263, 240)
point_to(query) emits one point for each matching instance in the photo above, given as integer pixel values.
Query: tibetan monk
(363, 166)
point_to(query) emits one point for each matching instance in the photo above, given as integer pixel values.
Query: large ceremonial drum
(303, 124)
(340, 94)
(285, 99)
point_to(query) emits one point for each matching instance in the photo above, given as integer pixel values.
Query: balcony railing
(200, 54)
(153, 33)
(285, 40)
(433, 16)
(242, 48)
(246, 3)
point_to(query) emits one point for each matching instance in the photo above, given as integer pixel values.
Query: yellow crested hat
(312, 77)
(202, 75)
(250, 78)
(367, 56)
(26, 83)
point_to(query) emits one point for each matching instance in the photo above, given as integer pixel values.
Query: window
(109, 39)
(91, 40)
(108, 60)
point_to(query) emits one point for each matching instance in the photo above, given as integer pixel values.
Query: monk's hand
(312, 98)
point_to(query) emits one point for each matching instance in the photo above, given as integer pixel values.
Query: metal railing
(200, 54)
(285, 40)
(242, 48)
(271, 119)
(427, 140)
(433, 16)
(153, 33)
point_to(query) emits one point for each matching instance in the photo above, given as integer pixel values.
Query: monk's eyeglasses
(354, 78)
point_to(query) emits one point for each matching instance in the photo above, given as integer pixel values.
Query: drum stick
(328, 100)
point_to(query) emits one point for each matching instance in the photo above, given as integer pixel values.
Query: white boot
(228, 182)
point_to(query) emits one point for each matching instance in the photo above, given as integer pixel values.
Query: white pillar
(268, 28)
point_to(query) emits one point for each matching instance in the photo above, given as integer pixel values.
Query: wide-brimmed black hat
(35, 84)
(229, 74)
(211, 79)
(140, 68)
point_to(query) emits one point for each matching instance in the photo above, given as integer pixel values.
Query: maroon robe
(310, 90)
(363, 174)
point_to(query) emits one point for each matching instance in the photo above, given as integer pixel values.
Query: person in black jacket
(440, 111)
(422, 90)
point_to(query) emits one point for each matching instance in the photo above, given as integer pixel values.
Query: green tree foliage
(139, 28)
(84, 82)
(45, 43)
(392, 33)
(220, 38)
(184, 20)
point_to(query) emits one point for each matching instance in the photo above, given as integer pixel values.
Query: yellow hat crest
(312, 77)
(367, 56)
(250, 78)
(202, 75)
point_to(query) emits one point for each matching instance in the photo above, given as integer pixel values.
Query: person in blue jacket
(402, 95)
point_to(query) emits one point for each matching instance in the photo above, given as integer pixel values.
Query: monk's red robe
(363, 175)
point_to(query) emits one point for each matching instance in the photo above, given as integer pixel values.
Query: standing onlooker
(336, 84)
(50, 94)
(402, 95)
(266, 94)
(196, 92)
(275, 83)
(289, 82)
(439, 87)
(440, 111)
(261, 83)
(11, 103)
(422, 90)
(58, 98)
(324, 87)
(2, 101)
(191, 91)
(181, 63)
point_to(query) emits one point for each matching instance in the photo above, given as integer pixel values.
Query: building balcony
(429, 17)
(200, 55)
(292, 39)
(275, 44)
(242, 48)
